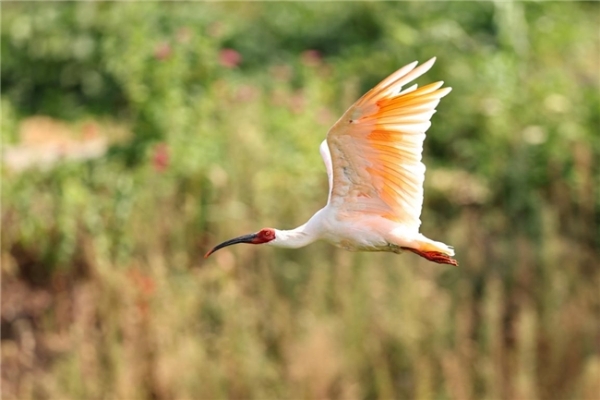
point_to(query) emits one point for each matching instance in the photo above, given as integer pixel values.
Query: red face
(265, 235)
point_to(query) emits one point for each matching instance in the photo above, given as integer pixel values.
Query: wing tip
(444, 91)
(394, 82)
(429, 62)
(410, 66)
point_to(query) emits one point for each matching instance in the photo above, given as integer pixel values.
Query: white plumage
(372, 155)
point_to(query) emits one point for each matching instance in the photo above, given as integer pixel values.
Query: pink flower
(229, 58)
(162, 51)
(160, 157)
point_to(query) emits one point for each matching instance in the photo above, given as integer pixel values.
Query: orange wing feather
(376, 148)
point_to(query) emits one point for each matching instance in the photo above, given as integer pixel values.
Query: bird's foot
(434, 256)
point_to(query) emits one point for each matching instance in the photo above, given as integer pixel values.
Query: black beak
(250, 238)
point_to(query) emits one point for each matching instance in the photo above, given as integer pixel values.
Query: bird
(372, 155)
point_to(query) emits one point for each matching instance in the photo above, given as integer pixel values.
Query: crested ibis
(373, 159)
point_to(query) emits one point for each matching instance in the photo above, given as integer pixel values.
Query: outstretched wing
(376, 148)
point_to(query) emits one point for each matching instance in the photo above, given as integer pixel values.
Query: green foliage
(513, 176)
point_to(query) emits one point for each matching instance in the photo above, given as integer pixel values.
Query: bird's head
(265, 235)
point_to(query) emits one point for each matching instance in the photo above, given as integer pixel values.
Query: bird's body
(355, 232)
(373, 159)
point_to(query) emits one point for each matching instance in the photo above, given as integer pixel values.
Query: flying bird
(373, 159)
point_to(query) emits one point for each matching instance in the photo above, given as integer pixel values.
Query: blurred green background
(136, 136)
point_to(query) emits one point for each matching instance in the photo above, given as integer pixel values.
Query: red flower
(229, 58)
(160, 158)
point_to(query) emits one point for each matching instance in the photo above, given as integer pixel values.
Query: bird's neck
(302, 235)
(294, 238)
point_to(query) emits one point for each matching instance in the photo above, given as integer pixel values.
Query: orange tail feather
(434, 256)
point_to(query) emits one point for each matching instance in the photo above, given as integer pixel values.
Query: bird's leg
(434, 256)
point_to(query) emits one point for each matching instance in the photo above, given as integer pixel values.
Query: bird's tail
(434, 251)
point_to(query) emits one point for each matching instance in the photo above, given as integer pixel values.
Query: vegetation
(214, 113)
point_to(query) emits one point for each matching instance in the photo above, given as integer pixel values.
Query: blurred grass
(104, 290)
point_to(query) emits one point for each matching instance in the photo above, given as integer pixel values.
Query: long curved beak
(250, 238)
